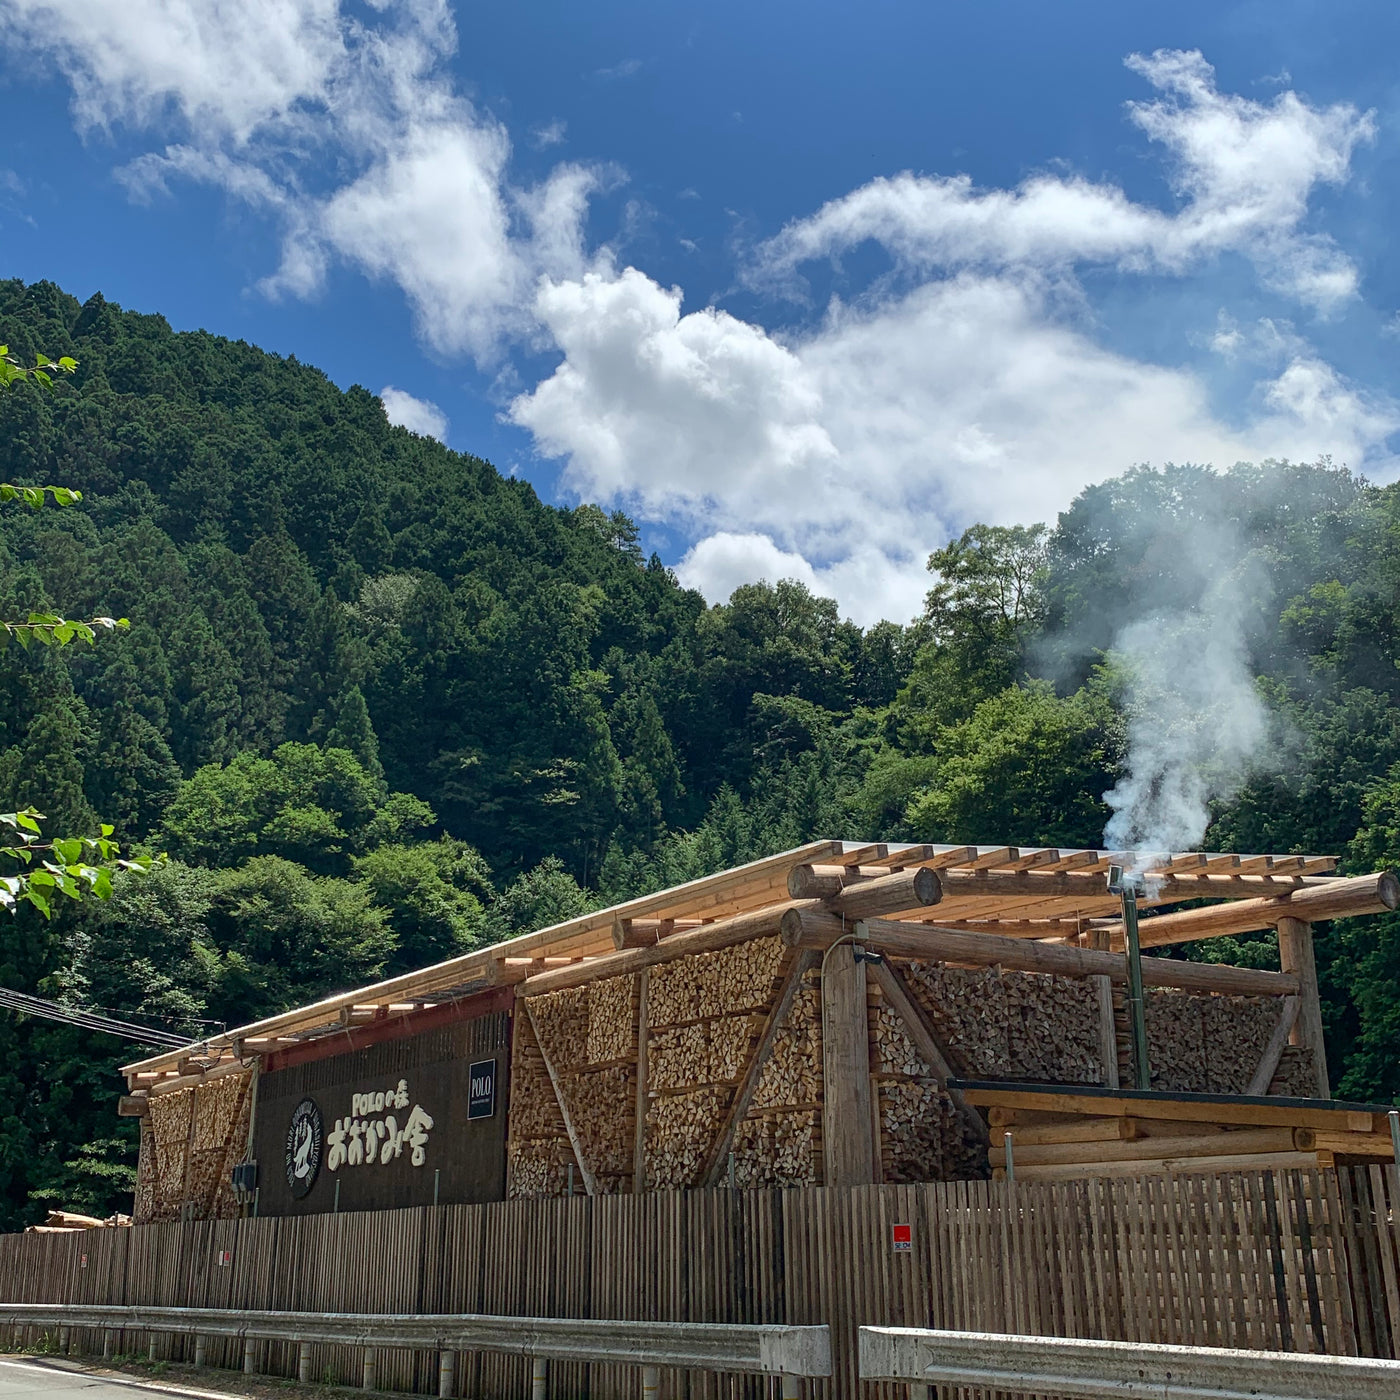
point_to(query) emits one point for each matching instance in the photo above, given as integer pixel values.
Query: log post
(1295, 951)
(1108, 1023)
(846, 1145)
(641, 1100)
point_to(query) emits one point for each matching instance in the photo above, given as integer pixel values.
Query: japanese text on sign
(363, 1140)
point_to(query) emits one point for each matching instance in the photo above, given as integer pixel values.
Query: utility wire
(89, 1020)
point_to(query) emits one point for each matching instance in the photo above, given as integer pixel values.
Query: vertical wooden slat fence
(1295, 1260)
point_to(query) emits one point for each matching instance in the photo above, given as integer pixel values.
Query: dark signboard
(481, 1090)
(306, 1140)
(406, 1121)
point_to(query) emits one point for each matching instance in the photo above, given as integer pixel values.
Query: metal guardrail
(1057, 1366)
(766, 1349)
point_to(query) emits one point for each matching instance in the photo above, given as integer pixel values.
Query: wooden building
(835, 1015)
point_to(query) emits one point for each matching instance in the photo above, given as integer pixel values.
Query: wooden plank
(1273, 1051)
(738, 1108)
(1144, 1149)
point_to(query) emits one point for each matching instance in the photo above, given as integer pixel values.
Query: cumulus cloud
(1243, 171)
(417, 415)
(861, 446)
(346, 128)
(969, 387)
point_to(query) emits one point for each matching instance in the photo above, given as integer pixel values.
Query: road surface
(22, 1379)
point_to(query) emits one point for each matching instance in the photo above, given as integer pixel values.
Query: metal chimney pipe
(1126, 887)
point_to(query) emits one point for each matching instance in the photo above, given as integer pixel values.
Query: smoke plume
(1195, 724)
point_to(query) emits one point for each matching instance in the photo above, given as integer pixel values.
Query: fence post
(792, 1387)
(447, 1374)
(371, 1370)
(109, 1344)
(201, 1348)
(151, 1347)
(250, 1356)
(65, 1339)
(651, 1383)
(304, 1362)
(539, 1377)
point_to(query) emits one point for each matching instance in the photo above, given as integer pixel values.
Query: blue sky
(805, 289)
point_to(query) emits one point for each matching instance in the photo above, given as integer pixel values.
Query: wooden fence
(1293, 1261)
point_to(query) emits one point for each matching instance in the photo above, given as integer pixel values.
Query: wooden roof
(1026, 892)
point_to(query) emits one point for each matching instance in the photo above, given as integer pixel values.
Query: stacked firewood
(562, 1021)
(170, 1131)
(1012, 1025)
(539, 1169)
(733, 979)
(680, 1131)
(1296, 1075)
(1235, 1032)
(706, 1052)
(922, 1136)
(778, 1149)
(1204, 1043)
(612, 1020)
(540, 1152)
(793, 1075)
(600, 1108)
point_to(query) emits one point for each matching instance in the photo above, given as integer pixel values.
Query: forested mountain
(379, 703)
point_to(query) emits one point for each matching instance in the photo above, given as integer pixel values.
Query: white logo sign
(359, 1141)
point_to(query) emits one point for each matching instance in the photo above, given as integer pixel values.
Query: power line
(89, 1020)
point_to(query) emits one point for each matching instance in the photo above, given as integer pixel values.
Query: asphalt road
(35, 1380)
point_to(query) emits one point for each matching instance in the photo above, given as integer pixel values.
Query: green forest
(380, 704)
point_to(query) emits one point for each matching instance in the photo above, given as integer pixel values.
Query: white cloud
(971, 387)
(346, 129)
(1243, 170)
(550, 134)
(417, 415)
(860, 447)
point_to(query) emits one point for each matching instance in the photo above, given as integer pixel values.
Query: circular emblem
(306, 1140)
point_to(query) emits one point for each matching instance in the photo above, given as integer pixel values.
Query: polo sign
(481, 1097)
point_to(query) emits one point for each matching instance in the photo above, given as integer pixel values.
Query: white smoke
(1196, 726)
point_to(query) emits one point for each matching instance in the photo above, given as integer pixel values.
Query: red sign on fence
(225, 1258)
(903, 1239)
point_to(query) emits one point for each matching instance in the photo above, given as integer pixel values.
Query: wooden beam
(1295, 951)
(639, 1126)
(738, 1109)
(590, 1182)
(1038, 884)
(1329, 899)
(934, 944)
(1202, 1108)
(1273, 1051)
(1144, 1149)
(916, 1024)
(133, 1106)
(846, 1145)
(1168, 1166)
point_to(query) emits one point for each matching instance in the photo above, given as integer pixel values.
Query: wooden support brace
(590, 1182)
(1273, 1051)
(925, 1042)
(714, 1168)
